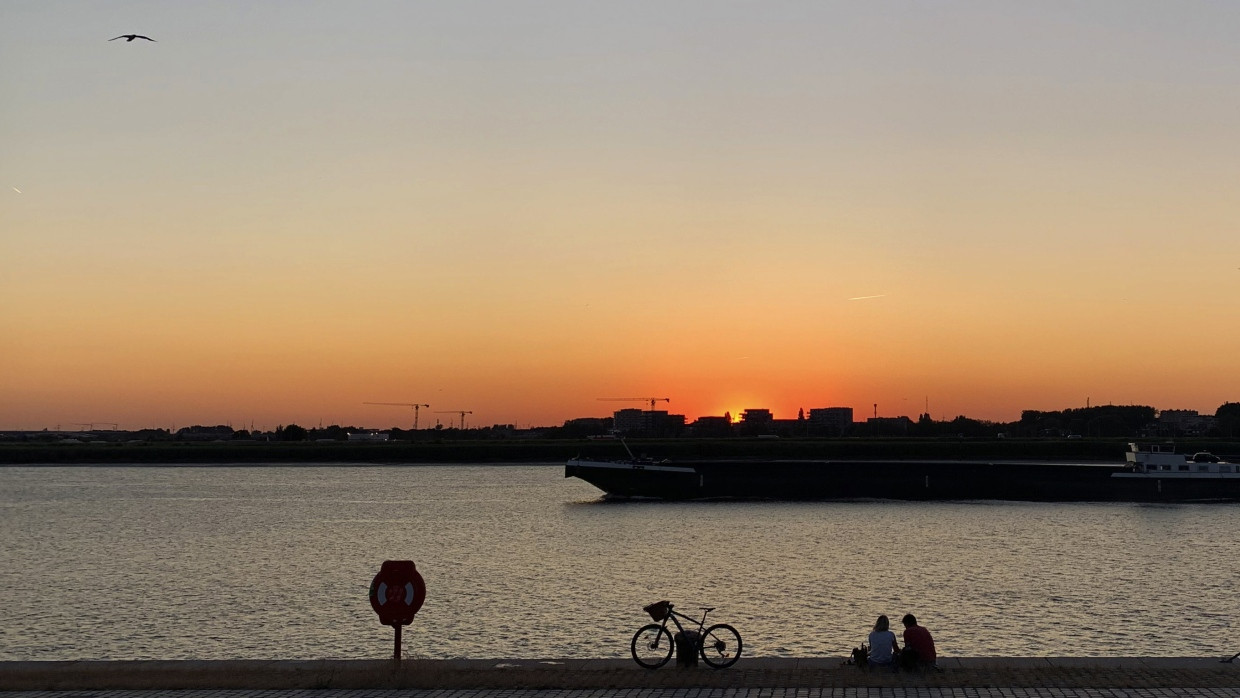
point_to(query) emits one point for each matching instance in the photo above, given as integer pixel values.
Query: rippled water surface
(276, 562)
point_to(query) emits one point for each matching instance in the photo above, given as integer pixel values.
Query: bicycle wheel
(721, 646)
(652, 646)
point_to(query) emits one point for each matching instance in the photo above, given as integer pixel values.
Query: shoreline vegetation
(1109, 450)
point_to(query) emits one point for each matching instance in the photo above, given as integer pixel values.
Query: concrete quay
(618, 678)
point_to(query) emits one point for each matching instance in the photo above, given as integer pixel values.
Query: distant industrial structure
(415, 405)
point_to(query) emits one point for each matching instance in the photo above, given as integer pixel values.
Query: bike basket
(659, 610)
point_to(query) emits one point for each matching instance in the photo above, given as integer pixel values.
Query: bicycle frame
(672, 615)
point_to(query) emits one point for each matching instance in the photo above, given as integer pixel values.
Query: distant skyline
(452, 420)
(279, 211)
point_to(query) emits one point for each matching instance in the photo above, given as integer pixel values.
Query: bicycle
(719, 645)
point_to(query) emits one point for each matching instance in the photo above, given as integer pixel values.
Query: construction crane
(460, 412)
(415, 405)
(651, 400)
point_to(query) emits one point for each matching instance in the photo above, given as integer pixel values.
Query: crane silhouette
(415, 405)
(460, 412)
(651, 400)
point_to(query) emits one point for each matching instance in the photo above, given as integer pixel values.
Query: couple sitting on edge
(918, 649)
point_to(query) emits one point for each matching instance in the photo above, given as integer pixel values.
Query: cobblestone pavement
(839, 692)
(823, 677)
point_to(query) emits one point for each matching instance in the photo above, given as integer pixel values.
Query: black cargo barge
(1142, 478)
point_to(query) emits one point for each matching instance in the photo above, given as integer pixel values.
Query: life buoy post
(396, 594)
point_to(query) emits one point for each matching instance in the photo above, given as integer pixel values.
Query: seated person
(918, 645)
(883, 647)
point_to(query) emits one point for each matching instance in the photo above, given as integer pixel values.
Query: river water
(275, 562)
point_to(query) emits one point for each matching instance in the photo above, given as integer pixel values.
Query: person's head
(882, 624)
(909, 621)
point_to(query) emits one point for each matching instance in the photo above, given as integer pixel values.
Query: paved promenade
(615, 678)
(856, 692)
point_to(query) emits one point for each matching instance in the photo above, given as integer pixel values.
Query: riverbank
(579, 674)
(557, 451)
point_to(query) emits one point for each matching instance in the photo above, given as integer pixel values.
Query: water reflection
(255, 562)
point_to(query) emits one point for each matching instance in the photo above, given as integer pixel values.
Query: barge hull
(899, 480)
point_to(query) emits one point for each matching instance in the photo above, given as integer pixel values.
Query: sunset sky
(278, 211)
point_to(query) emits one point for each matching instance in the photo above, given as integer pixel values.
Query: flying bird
(131, 37)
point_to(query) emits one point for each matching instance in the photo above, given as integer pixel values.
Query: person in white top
(883, 647)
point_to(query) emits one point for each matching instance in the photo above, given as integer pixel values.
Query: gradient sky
(282, 210)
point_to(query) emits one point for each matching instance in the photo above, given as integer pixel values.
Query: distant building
(757, 420)
(707, 427)
(367, 436)
(1184, 423)
(637, 422)
(201, 433)
(629, 420)
(757, 415)
(830, 421)
(888, 426)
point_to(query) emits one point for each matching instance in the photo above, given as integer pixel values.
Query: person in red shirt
(918, 640)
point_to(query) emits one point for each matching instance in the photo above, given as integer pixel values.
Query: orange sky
(275, 214)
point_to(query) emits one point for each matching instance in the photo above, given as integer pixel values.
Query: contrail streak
(17, 190)
(862, 298)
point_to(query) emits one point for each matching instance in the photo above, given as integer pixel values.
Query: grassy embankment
(549, 451)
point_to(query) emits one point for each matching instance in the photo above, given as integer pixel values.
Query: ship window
(1183, 467)
(1203, 468)
(1224, 468)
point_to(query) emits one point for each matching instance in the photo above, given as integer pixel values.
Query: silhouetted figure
(883, 647)
(918, 645)
(131, 37)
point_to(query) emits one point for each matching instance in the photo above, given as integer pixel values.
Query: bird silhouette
(131, 37)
